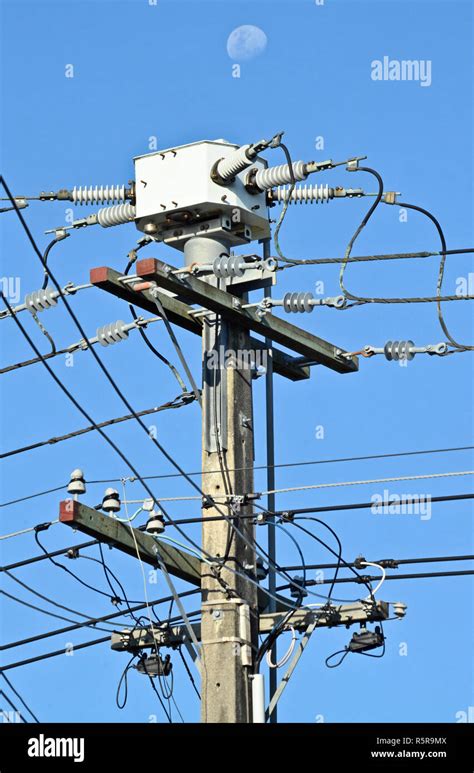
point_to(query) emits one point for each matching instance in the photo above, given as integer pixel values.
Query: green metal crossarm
(108, 529)
(179, 314)
(229, 306)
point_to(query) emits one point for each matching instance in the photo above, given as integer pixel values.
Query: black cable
(361, 226)
(53, 654)
(413, 576)
(153, 349)
(17, 712)
(442, 239)
(72, 574)
(91, 622)
(191, 677)
(46, 598)
(124, 679)
(235, 469)
(178, 402)
(46, 256)
(19, 697)
(17, 600)
(286, 203)
(390, 563)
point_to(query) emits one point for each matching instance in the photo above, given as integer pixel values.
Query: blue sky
(142, 71)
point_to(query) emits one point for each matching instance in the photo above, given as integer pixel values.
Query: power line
(365, 258)
(54, 654)
(310, 487)
(53, 553)
(19, 697)
(102, 619)
(289, 512)
(367, 578)
(178, 402)
(235, 469)
(388, 562)
(24, 603)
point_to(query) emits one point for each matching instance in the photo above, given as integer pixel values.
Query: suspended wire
(46, 598)
(48, 249)
(391, 563)
(366, 258)
(360, 228)
(78, 346)
(132, 255)
(5, 716)
(178, 402)
(20, 698)
(312, 486)
(442, 263)
(75, 576)
(411, 576)
(24, 603)
(235, 469)
(102, 619)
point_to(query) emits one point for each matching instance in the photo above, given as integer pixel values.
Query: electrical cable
(437, 225)
(94, 620)
(37, 593)
(46, 612)
(232, 469)
(124, 679)
(178, 402)
(19, 697)
(132, 258)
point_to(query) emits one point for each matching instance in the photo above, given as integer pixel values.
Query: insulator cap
(155, 523)
(77, 484)
(111, 501)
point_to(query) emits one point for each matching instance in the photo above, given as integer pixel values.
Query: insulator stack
(399, 350)
(40, 300)
(105, 194)
(265, 179)
(307, 194)
(298, 302)
(228, 266)
(112, 333)
(117, 215)
(236, 162)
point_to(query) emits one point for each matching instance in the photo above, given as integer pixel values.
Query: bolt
(216, 614)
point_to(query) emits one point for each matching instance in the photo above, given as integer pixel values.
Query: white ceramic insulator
(112, 333)
(279, 175)
(399, 350)
(298, 302)
(227, 266)
(103, 194)
(229, 167)
(117, 215)
(40, 300)
(304, 194)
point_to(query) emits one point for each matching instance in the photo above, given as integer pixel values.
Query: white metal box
(174, 190)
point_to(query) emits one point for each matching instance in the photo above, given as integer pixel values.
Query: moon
(246, 42)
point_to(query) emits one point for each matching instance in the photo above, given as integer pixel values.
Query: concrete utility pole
(229, 623)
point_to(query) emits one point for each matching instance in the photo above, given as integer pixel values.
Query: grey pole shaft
(229, 625)
(270, 441)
